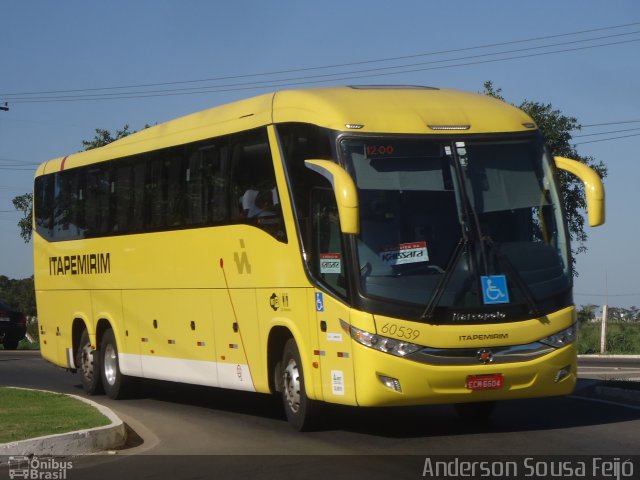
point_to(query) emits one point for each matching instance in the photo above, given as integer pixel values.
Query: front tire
(301, 411)
(116, 385)
(88, 364)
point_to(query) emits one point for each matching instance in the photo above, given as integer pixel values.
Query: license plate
(5, 319)
(494, 381)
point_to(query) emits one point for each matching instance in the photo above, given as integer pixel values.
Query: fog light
(390, 382)
(562, 373)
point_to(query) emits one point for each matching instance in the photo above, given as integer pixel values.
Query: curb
(608, 355)
(91, 440)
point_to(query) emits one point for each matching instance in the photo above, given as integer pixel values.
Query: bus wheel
(88, 361)
(300, 410)
(475, 413)
(116, 385)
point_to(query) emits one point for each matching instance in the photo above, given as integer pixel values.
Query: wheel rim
(291, 377)
(110, 364)
(86, 362)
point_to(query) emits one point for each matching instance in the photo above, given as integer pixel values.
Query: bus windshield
(465, 226)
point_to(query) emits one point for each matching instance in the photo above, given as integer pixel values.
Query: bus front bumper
(386, 380)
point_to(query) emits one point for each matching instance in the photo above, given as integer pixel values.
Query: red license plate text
(485, 382)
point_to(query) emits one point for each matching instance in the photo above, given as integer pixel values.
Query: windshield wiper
(444, 280)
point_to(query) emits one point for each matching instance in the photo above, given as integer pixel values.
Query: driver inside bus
(259, 203)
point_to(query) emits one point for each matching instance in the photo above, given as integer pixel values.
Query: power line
(341, 65)
(321, 78)
(607, 139)
(617, 122)
(289, 82)
(606, 133)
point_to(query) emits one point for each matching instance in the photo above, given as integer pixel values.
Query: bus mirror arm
(593, 188)
(345, 191)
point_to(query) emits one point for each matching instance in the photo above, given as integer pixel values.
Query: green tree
(586, 313)
(20, 294)
(557, 128)
(24, 203)
(104, 137)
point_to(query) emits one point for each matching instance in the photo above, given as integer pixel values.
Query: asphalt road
(192, 432)
(609, 368)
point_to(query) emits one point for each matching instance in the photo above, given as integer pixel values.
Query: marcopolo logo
(38, 468)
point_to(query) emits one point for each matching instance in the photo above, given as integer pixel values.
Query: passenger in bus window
(264, 204)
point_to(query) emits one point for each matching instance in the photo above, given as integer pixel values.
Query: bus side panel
(130, 346)
(108, 305)
(235, 323)
(170, 332)
(56, 311)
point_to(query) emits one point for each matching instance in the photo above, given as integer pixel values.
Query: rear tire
(301, 411)
(116, 385)
(88, 364)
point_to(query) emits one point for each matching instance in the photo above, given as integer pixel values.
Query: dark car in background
(13, 326)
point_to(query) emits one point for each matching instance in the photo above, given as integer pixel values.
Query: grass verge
(622, 338)
(28, 414)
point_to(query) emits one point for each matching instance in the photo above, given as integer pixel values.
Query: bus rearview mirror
(345, 191)
(593, 187)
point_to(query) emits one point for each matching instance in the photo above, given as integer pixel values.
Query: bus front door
(334, 350)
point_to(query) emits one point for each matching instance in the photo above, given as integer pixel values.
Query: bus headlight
(560, 339)
(394, 346)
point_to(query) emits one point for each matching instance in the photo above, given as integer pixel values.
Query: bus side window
(207, 184)
(254, 195)
(122, 196)
(43, 205)
(98, 188)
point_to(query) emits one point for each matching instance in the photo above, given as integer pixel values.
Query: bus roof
(372, 109)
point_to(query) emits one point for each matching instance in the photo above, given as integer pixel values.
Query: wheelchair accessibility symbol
(494, 289)
(319, 302)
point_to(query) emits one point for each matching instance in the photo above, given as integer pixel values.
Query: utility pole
(603, 331)
(605, 310)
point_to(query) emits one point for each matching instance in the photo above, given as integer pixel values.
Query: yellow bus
(360, 245)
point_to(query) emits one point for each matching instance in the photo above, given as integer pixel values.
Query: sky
(68, 67)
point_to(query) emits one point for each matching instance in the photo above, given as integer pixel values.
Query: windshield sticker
(403, 253)
(494, 289)
(330, 263)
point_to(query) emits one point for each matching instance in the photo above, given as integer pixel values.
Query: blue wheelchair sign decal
(319, 302)
(494, 289)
